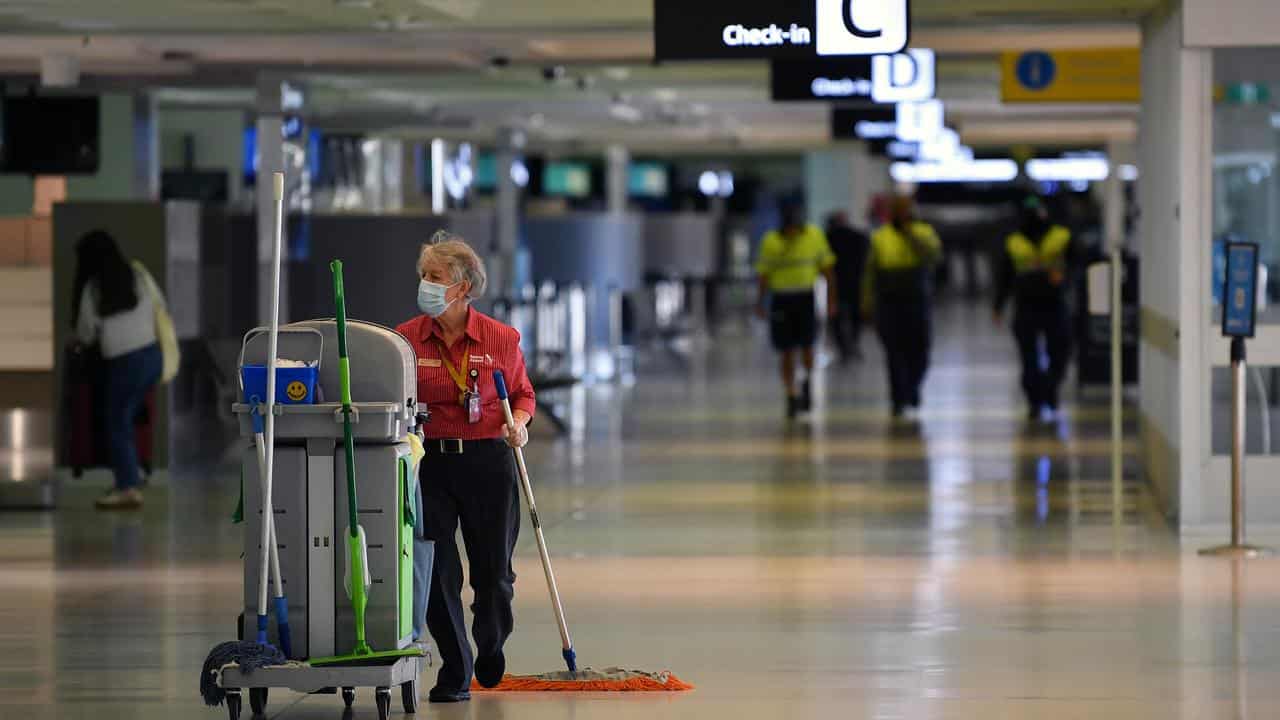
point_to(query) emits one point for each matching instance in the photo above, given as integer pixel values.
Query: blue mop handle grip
(282, 626)
(500, 382)
(570, 659)
(262, 630)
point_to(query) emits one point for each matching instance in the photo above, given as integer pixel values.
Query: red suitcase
(84, 445)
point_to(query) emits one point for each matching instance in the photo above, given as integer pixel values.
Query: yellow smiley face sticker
(296, 391)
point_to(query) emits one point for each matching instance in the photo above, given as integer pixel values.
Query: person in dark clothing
(897, 292)
(851, 247)
(1035, 270)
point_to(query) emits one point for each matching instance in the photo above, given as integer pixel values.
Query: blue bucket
(294, 386)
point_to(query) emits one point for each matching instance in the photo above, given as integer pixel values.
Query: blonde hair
(455, 254)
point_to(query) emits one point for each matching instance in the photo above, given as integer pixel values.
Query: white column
(270, 127)
(617, 159)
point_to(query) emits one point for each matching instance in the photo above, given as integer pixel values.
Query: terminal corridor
(842, 566)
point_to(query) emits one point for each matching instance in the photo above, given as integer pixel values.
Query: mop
(358, 581)
(611, 679)
(251, 655)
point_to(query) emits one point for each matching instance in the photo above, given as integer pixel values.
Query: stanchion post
(1238, 321)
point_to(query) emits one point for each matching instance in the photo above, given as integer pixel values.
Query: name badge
(481, 360)
(429, 362)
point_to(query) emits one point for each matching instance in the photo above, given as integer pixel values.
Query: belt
(458, 446)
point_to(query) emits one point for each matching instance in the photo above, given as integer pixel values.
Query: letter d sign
(862, 27)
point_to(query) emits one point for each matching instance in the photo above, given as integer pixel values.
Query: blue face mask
(431, 298)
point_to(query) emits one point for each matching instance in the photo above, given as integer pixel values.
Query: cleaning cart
(309, 504)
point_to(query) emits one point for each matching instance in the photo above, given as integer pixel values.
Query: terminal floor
(971, 566)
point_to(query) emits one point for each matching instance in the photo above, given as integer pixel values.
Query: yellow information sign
(1109, 75)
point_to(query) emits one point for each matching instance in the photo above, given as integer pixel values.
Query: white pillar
(506, 242)
(617, 159)
(270, 127)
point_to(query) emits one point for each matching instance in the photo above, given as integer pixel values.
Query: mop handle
(500, 382)
(268, 512)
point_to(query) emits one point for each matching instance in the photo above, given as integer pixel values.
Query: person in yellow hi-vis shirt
(1036, 272)
(790, 261)
(897, 293)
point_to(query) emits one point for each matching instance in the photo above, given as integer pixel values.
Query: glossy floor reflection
(843, 567)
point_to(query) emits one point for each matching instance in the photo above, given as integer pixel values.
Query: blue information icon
(1036, 70)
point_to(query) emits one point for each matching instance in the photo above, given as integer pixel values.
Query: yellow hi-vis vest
(1049, 257)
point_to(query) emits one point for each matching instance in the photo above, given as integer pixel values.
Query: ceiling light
(665, 95)
(617, 73)
(709, 183)
(354, 4)
(519, 173)
(626, 113)
(1087, 169)
(957, 171)
(1128, 173)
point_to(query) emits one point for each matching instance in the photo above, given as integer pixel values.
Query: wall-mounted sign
(821, 80)
(905, 77)
(1072, 76)
(864, 123)
(754, 29)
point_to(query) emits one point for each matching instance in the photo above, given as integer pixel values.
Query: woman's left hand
(518, 434)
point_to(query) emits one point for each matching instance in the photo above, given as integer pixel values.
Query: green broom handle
(344, 380)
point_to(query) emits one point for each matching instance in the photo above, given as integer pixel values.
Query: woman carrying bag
(119, 308)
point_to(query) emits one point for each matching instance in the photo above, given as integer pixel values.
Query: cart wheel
(348, 696)
(409, 694)
(258, 701)
(233, 704)
(384, 703)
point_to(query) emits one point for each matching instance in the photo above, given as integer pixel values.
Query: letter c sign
(862, 27)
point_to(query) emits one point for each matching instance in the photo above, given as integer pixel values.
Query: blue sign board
(1240, 292)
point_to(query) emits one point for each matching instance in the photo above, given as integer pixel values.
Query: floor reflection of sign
(1239, 311)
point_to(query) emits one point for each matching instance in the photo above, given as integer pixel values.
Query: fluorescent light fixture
(919, 122)
(1087, 169)
(1128, 173)
(726, 183)
(625, 112)
(709, 183)
(871, 130)
(959, 171)
(519, 173)
(907, 76)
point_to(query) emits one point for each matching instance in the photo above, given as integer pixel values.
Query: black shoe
(1033, 414)
(806, 397)
(444, 695)
(793, 407)
(490, 669)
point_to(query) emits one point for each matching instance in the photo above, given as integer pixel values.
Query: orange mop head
(607, 680)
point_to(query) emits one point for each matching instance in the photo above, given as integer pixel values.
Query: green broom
(357, 580)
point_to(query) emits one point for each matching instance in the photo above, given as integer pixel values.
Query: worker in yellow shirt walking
(897, 293)
(789, 263)
(1035, 271)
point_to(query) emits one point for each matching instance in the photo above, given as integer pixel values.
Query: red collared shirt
(488, 345)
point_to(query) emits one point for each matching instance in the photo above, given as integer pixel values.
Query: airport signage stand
(1239, 318)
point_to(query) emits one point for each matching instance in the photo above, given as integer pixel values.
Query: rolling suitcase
(83, 416)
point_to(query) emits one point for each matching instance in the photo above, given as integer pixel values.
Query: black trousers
(906, 331)
(477, 490)
(1031, 323)
(846, 325)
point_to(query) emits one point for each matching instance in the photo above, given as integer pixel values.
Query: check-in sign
(769, 29)
(904, 77)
